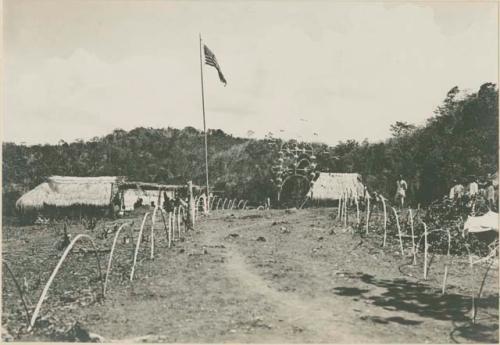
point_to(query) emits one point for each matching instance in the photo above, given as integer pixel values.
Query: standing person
(457, 191)
(472, 193)
(473, 187)
(490, 195)
(401, 187)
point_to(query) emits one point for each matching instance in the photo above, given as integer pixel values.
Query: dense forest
(459, 140)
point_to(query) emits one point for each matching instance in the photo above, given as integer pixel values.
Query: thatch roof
(330, 186)
(64, 191)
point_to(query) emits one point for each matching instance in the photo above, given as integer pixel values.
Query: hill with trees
(459, 140)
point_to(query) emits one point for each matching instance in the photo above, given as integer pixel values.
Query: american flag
(211, 60)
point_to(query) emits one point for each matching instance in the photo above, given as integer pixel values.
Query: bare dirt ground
(267, 277)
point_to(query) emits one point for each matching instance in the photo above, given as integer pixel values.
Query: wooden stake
(399, 231)
(56, 269)
(426, 248)
(367, 214)
(448, 260)
(153, 218)
(139, 239)
(357, 210)
(339, 214)
(111, 254)
(345, 210)
(413, 239)
(385, 220)
(170, 232)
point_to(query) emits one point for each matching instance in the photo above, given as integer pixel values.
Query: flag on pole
(211, 60)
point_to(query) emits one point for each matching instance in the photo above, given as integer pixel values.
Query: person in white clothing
(473, 188)
(457, 191)
(401, 187)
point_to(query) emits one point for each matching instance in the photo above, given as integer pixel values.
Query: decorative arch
(56, 269)
(108, 270)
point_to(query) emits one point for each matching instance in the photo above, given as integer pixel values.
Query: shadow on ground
(424, 301)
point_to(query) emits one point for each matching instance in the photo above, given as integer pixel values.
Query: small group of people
(473, 190)
(169, 204)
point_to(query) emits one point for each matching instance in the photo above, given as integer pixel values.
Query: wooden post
(426, 248)
(447, 262)
(191, 207)
(153, 219)
(473, 309)
(413, 239)
(357, 210)
(385, 220)
(179, 222)
(170, 232)
(339, 213)
(367, 214)
(345, 211)
(174, 222)
(399, 231)
(204, 121)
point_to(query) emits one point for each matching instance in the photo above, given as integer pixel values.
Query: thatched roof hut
(330, 186)
(68, 191)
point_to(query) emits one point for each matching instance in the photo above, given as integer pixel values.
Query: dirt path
(316, 317)
(335, 294)
(248, 278)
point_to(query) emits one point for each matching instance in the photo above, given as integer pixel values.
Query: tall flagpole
(204, 122)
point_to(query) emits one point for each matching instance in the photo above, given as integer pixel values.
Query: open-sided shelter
(330, 186)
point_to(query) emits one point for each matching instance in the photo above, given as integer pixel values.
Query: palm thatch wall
(67, 191)
(330, 186)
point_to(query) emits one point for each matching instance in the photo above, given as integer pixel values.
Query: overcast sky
(79, 69)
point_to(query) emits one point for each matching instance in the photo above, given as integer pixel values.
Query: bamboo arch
(111, 254)
(399, 231)
(56, 269)
(153, 220)
(139, 238)
(212, 202)
(203, 199)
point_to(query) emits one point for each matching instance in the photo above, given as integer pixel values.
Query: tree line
(459, 140)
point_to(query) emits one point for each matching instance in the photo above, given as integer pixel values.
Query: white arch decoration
(56, 269)
(138, 245)
(234, 202)
(108, 270)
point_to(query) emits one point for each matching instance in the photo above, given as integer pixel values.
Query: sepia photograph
(250, 171)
